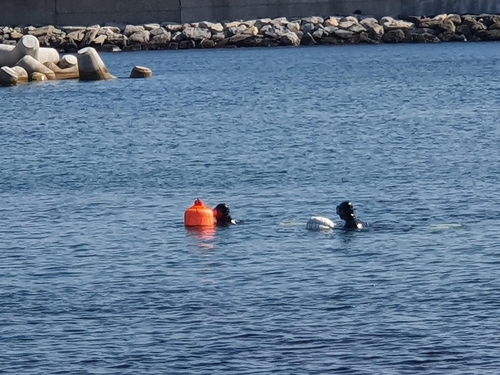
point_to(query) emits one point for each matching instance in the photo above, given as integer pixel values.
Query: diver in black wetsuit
(346, 212)
(222, 215)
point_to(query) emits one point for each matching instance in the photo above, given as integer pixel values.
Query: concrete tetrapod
(91, 67)
(37, 76)
(141, 72)
(67, 73)
(67, 61)
(8, 77)
(22, 74)
(31, 65)
(27, 45)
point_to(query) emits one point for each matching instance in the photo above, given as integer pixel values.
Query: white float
(318, 223)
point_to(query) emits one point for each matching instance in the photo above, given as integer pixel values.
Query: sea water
(99, 276)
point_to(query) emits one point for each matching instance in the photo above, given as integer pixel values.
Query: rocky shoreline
(332, 30)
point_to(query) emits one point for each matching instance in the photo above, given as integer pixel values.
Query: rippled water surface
(99, 276)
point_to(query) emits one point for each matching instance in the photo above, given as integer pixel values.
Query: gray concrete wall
(30, 12)
(433, 7)
(196, 10)
(89, 12)
(76, 12)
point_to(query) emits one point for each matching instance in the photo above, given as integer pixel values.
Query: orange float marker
(199, 215)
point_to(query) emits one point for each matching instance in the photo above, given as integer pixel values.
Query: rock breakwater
(332, 30)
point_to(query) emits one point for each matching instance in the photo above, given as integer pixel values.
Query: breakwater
(263, 32)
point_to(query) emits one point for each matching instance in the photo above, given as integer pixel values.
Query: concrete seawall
(90, 12)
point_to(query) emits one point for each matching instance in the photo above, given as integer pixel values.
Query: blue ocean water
(99, 276)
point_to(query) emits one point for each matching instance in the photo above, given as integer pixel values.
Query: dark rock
(269, 42)
(464, 30)
(44, 41)
(88, 37)
(133, 47)
(354, 40)
(222, 43)
(488, 35)
(408, 37)
(106, 48)
(119, 40)
(424, 31)
(366, 39)
(207, 43)
(173, 45)
(177, 37)
(254, 41)
(394, 36)
(238, 40)
(451, 37)
(307, 40)
(160, 41)
(331, 40)
(489, 19)
(425, 38)
(69, 45)
(187, 44)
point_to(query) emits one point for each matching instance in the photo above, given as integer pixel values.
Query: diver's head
(346, 210)
(221, 213)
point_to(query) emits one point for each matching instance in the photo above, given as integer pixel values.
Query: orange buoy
(199, 215)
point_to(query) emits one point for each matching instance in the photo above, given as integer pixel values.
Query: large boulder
(213, 27)
(343, 34)
(394, 36)
(373, 28)
(308, 27)
(160, 41)
(131, 29)
(140, 37)
(447, 36)
(438, 24)
(290, 39)
(424, 37)
(474, 24)
(294, 27)
(489, 19)
(488, 35)
(76, 35)
(262, 22)
(314, 20)
(390, 23)
(455, 18)
(196, 33)
(332, 21)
